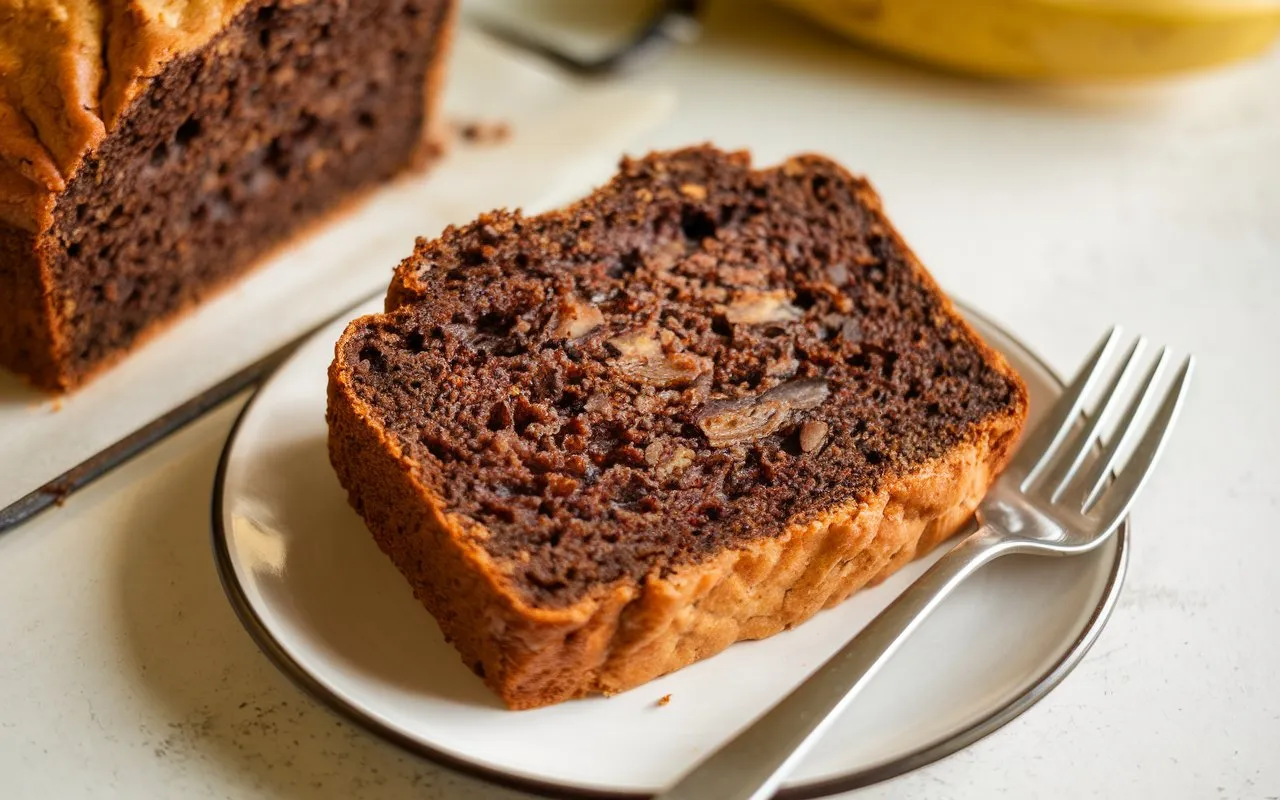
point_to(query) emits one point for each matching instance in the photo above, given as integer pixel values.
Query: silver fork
(1061, 495)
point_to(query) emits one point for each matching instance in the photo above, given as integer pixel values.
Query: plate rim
(826, 787)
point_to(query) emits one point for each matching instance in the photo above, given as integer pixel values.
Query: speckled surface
(124, 673)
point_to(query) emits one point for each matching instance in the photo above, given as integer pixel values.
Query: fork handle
(753, 764)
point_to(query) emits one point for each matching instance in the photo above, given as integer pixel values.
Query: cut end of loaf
(286, 114)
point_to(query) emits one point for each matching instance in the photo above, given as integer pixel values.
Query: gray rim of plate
(923, 756)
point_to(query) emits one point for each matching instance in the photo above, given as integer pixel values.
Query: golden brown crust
(626, 633)
(68, 70)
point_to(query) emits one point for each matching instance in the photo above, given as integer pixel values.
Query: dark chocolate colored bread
(696, 407)
(149, 155)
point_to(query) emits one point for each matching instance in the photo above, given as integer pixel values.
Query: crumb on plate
(484, 131)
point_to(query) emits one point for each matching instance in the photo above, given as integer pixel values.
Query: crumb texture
(698, 357)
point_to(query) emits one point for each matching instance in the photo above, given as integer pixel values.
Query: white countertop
(124, 672)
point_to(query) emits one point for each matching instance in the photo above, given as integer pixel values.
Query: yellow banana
(1057, 39)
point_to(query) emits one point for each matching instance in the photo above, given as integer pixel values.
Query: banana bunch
(1057, 40)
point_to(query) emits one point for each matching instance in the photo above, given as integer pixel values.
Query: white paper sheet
(565, 137)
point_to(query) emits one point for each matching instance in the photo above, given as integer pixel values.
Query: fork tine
(1079, 446)
(1118, 496)
(1041, 442)
(1083, 491)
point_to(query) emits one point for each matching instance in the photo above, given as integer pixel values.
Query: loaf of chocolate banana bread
(696, 407)
(150, 153)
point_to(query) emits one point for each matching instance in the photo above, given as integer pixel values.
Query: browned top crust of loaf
(696, 355)
(68, 71)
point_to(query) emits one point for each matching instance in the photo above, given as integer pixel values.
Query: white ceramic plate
(332, 612)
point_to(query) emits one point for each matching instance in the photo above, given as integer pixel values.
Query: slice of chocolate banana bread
(696, 407)
(150, 153)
